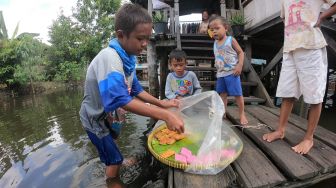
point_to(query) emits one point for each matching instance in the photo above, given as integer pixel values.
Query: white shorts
(304, 72)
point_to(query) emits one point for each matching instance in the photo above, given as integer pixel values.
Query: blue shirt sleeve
(113, 91)
(136, 87)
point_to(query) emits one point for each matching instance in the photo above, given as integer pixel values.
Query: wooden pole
(151, 60)
(271, 65)
(223, 8)
(150, 7)
(165, 15)
(171, 24)
(248, 54)
(164, 70)
(177, 24)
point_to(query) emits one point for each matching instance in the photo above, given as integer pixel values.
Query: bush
(238, 19)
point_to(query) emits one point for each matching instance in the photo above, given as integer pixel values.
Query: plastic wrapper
(214, 144)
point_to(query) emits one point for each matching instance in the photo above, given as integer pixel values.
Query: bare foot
(270, 137)
(304, 146)
(243, 120)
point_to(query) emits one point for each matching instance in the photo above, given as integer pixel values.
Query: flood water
(42, 144)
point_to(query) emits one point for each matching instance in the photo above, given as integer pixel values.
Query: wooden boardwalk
(263, 164)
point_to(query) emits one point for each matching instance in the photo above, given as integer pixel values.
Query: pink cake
(184, 151)
(180, 158)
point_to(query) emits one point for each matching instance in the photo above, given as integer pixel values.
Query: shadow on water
(42, 144)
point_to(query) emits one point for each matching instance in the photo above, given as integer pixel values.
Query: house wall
(260, 10)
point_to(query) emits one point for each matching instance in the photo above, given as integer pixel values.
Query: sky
(33, 16)
(36, 16)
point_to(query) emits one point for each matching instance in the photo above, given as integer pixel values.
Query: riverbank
(39, 88)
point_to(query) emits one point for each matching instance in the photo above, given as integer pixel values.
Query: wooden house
(261, 164)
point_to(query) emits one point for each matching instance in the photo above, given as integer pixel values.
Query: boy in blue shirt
(111, 83)
(180, 83)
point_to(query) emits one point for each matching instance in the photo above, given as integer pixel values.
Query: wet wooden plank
(253, 168)
(320, 133)
(292, 165)
(170, 177)
(320, 153)
(220, 180)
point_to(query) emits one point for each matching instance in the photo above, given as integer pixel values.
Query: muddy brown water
(42, 144)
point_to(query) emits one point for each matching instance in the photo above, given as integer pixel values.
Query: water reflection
(42, 143)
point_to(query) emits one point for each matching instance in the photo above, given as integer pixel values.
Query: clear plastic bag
(217, 143)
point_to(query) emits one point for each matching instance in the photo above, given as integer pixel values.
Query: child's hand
(178, 97)
(175, 123)
(170, 103)
(237, 70)
(318, 23)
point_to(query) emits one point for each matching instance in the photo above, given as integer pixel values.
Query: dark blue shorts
(108, 151)
(229, 84)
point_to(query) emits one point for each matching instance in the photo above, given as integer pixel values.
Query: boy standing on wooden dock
(111, 83)
(180, 83)
(305, 65)
(229, 59)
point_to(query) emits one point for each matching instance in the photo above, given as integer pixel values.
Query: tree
(32, 64)
(78, 38)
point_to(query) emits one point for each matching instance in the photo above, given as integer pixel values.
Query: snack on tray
(166, 136)
(167, 153)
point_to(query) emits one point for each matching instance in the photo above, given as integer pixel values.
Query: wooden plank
(198, 48)
(171, 177)
(177, 23)
(312, 182)
(200, 57)
(171, 21)
(331, 42)
(271, 65)
(165, 43)
(320, 153)
(245, 3)
(253, 168)
(197, 41)
(242, 83)
(192, 68)
(260, 91)
(247, 100)
(320, 133)
(265, 24)
(328, 25)
(186, 180)
(152, 70)
(292, 165)
(223, 8)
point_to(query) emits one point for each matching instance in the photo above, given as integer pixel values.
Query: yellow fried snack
(170, 141)
(159, 134)
(166, 136)
(167, 153)
(163, 142)
(165, 130)
(179, 136)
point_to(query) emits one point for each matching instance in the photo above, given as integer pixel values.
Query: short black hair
(177, 54)
(129, 16)
(221, 19)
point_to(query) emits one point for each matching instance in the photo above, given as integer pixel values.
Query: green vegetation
(157, 17)
(74, 41)
(238, 19)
